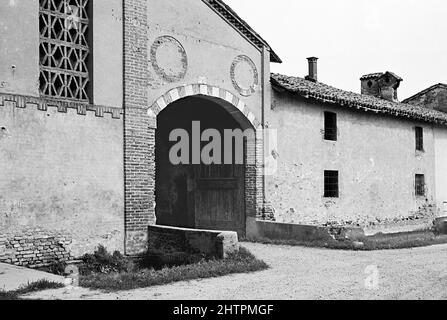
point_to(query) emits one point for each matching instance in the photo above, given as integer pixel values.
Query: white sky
(355, 37)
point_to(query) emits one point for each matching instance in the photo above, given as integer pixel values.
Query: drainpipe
(266, 102)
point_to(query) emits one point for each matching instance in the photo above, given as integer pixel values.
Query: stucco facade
(435, 98)
(375, 156)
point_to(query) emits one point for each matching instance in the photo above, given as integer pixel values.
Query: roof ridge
(425, 91)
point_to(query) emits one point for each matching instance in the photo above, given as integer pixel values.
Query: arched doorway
(199, 194)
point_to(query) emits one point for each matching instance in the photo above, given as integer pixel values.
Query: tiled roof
(372, 76)
(231, 16)
(417, 95)
(324, 93)
(378, 75)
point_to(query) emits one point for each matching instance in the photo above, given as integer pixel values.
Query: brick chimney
(313, 69)
(381, 85)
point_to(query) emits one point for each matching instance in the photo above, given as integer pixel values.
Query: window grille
(420, 185)
(419, 139)
(64, 49)
(330, 126)
(331, 189)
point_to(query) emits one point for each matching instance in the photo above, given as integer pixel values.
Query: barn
(120, 114)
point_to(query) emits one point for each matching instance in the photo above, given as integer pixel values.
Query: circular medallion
(244, 75)
(169, 59)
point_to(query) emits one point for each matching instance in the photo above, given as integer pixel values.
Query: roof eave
(367, 106)
(273, 56)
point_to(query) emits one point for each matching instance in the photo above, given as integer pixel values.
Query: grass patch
(140, 277)
(30, 288)
(377, 242)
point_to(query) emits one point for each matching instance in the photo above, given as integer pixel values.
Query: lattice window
(64, 49)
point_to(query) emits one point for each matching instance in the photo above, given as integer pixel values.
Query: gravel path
(308, 273)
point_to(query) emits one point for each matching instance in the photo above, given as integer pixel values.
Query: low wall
(218, 244)
(400, 226)
(34, 249)
(266, 230)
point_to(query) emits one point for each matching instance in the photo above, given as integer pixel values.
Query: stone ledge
(400, 227)
(440, 225)
(217, 244)
(258, 230)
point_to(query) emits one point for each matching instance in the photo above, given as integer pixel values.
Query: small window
(419, 139)
(420, 185)
(331, 184)
(330, 126)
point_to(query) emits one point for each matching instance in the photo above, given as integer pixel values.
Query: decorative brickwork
(173, 46)
(43, 104)
(243, 89)
(34, 248)
(204, 90)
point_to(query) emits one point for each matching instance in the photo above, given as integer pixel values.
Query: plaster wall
(375, 157)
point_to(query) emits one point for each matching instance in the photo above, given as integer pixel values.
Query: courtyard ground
(307, 273)
(13, 277)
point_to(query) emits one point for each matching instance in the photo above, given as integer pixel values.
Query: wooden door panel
(219, 201)
(217, 184)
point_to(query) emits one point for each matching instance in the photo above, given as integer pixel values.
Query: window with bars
(419, 139)
(330, 126)
(64, 49)
(420, 185)
(331, 189)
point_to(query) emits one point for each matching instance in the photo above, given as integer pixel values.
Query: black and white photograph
(223, 156)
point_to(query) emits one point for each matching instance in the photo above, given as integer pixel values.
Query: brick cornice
(42, 104)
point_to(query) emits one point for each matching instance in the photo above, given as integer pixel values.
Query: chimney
(381, 85)
(313, 69)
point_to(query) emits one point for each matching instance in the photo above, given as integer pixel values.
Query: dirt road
(308, 273)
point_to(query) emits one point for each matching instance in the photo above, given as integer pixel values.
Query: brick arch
(203, 90)
(241, 113)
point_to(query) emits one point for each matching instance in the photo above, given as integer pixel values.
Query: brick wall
(139, 130)
(61, 167)
(34, 248)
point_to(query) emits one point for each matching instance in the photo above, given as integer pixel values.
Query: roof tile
(328, 94)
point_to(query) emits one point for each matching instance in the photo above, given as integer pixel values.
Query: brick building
(91, 90)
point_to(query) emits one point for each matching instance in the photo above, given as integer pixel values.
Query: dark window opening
(331, 189)
(420, 185)
(419, 139)
(330, 126)
(65, 33)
